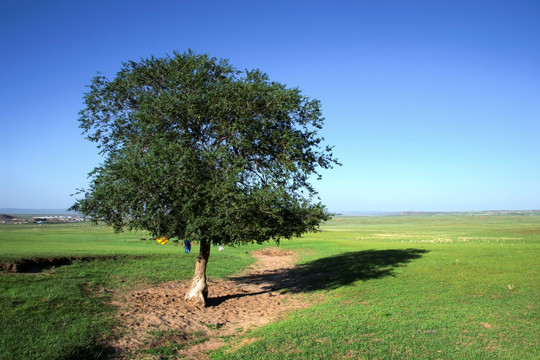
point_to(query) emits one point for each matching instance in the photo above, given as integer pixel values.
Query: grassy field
(62, 313)
(396, 287)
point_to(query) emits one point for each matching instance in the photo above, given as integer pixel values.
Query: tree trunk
(198, 291)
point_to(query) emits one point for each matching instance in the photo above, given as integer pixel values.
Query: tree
(197, 149)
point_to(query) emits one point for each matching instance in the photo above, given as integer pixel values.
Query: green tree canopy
(197, 149)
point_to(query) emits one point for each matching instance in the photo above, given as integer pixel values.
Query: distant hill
(483, 213)
(14, 211)
(365, 213)
(437, 213)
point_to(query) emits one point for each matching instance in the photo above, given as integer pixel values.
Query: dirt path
(157, 316)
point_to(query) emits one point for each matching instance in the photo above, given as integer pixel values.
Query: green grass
(449, 287)
(72, 239)
(62, 313)
(166, 344)
(415, 287)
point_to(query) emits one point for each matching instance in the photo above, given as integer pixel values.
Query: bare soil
(158, 317)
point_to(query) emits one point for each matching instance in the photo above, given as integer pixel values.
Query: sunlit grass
(472, 297)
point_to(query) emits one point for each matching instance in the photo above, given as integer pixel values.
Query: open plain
(422, 286)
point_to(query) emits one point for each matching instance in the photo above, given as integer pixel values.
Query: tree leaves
(195, 148)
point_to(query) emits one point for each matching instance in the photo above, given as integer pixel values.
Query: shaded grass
(336, 271)
(45, 317)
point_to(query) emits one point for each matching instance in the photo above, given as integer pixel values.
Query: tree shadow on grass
(336, 271)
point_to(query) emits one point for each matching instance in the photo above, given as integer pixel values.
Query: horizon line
(14, 210)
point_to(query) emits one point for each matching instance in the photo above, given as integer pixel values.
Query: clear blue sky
(431, 105)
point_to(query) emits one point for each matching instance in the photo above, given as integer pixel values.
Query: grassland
(63, 313)
(396, 287)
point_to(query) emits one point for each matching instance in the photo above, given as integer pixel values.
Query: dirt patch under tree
(157, 317)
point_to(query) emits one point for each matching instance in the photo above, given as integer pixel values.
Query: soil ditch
(38, 265)
(34, 265)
